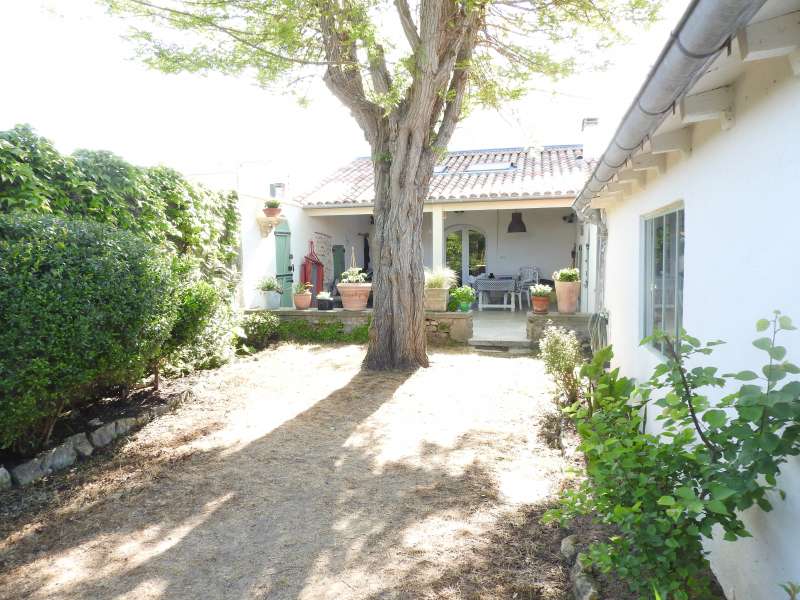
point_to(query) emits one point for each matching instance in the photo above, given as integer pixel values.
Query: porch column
(437, 247)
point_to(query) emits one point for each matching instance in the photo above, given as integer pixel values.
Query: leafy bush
(560, 350)
(565, 275)
(195, 304)
(212, 348)
(301, 330)
(83, 307)
(260, 328)
(463, 294)
(158, 204)
(443, 278)
(665, 492)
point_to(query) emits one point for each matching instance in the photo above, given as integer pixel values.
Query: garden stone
(5, 479)
(58, 458)
(125, 425)
(143, 419)
(103, 436)
(81, 444)
(28, 472)
(159, 410)
(582, 583)
(568, 548)
(95, 422)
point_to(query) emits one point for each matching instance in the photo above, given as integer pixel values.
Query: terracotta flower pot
(436, 299)
(541, 304)
(354, 295)
(272, 212)
(302, 301)
(567, 293)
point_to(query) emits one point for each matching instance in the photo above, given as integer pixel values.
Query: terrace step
(501, 345)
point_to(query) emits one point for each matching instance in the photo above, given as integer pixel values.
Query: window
(495, 166)
(663, 273)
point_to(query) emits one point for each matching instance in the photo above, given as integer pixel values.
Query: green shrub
(158, 204)
(213, 347)
(463, 294)
(664, 493)
(195, 304)
(324, 332)
(260, 328)
(83, 306)
(560, 350)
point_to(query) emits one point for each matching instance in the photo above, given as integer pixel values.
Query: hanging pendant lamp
(516, 225)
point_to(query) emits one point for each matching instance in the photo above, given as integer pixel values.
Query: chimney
(592, 138)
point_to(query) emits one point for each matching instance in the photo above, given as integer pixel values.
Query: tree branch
(407, 21)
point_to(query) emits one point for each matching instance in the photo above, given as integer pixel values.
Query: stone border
(583, 586)
(82, 445)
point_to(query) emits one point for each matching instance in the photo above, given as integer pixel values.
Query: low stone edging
(583, 586)
(82, 445)
(441, 327)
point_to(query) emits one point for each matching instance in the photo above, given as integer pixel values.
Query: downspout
(704, 30)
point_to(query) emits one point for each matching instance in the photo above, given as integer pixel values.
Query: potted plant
(464, 297)
(324, 301)
(302, 295)
(568, 288)
(273, 290)
(354, 289)
(540, 298)
(437, 285)
(272, 207)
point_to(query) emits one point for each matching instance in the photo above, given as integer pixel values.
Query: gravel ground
(295, 475)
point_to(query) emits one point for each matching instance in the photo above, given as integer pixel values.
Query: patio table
(507, 285)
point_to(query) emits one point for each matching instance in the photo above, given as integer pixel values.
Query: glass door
(465, 252)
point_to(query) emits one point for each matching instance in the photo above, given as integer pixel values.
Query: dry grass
(296, 475)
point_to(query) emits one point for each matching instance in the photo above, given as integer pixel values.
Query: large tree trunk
(397, 337)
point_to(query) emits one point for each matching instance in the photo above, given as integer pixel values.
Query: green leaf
(743, 375)
(786, 323)
(762, 325)
(720, 492)
(685, 492)
(763, 343)
(717, 506)
(666, 501)
(777, 352)
(715, 417)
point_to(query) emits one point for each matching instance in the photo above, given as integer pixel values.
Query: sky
(69, 73)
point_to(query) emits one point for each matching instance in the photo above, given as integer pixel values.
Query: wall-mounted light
(516, 225)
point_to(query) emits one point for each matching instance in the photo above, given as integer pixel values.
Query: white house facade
(474, 197)
(701, 221)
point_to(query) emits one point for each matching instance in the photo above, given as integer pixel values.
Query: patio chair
(527, 277)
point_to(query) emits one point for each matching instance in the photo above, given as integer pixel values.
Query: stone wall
(441, 327)
(448, 327)
(579, 323)
(349, 318)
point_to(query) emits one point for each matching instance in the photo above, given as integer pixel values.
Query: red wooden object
(312, 270)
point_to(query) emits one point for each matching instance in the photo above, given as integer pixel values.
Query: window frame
(648, 278)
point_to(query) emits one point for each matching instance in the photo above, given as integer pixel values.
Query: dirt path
(296, 476)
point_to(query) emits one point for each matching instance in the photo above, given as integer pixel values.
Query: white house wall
(258, 252)
(547, 244)
(739, 192)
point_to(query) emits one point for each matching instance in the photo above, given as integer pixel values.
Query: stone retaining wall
(441, 327)
(578, 322)
(349, 318)
(448, 327)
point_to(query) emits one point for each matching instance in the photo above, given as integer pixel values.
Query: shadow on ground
(297, 513)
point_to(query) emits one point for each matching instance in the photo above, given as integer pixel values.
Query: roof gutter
(704, 30)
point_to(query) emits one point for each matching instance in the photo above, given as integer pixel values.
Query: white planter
(273, 300)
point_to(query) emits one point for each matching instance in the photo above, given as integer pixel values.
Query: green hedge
(185, 220)
(83, 307)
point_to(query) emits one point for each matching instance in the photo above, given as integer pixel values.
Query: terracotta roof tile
(554, 171)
